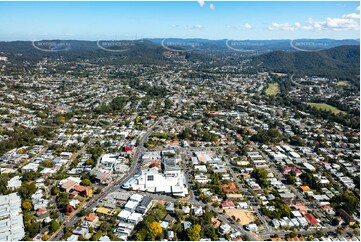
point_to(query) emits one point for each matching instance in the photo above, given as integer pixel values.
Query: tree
(90, 162)
(69, 209)
(86, 182)
(26, 190)
(291, 179)
(54, 226)
(62, 200)
(193, 233)
(47, 163)
(55, 191)
(45, 237)
(155, 229)
(293, 234)
(34, 229)
(97, 236)
(216, 204)
(141, 234)
(104, 226)
(261, 176)
(210, 232)
(26, 205)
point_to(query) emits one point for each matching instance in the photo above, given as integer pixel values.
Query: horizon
(29, 21)
(193, 38)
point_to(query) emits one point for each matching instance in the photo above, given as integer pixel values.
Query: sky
(191, 19)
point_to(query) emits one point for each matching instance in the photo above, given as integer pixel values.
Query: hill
(140, 51)
(338, 62)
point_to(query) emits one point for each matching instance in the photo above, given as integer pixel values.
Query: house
(296, 239)
(164, 224)
(198, 211)
(235, 196)
(169, 219)
(170, 207)
(81, 231)
(349, 220)
(170, 235)
(276, 223)
(83, 191)
(296, 214)
(136, 198)
(215, 223)
(186, 225)
(305, 188)
(134, 218)
(69, 183)
(123, 215)
(251, 227)
(131, 205)
(228, 204)
(312, 220)
(144, 205)
(41, 214)
(186, 209)
(73, 237)
(104, 211)
(242, 205)
(104, 238)
(91, 220)
(225, 228)
(14, 183)
(31, 167)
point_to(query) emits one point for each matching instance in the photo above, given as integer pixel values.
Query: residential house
(144, 205)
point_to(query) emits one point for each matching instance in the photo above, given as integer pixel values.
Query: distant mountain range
(258, 46)
(341, 62)
(323, 57)
(124, 52)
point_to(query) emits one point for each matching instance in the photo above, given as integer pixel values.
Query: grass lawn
(272, 89)
(343, 83)
(326, 107)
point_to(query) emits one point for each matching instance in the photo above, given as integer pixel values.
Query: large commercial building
(11, 218)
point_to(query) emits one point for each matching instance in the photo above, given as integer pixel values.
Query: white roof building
(134, 218)
(11, 218)
(123, 215)
(131, 205)
(14, 183)
(136, 198)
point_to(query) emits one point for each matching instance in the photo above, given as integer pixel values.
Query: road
(240, 185)
(186, 173)
(92, 203)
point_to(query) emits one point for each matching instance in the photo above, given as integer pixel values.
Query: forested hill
(338, 62)
(135, 52)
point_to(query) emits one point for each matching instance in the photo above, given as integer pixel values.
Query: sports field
(272, 89)
(324, 106)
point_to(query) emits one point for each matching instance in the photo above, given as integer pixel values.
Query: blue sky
(212, 20)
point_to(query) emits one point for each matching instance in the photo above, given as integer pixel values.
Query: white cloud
(346, 22)
(340, 24)
(174, 25)
(201, 3)
(297, 25)
(332, 24)
(285, 26)
(198, 26)
(247, 26)
(211, 6)
(358, 8)
(351, 16)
